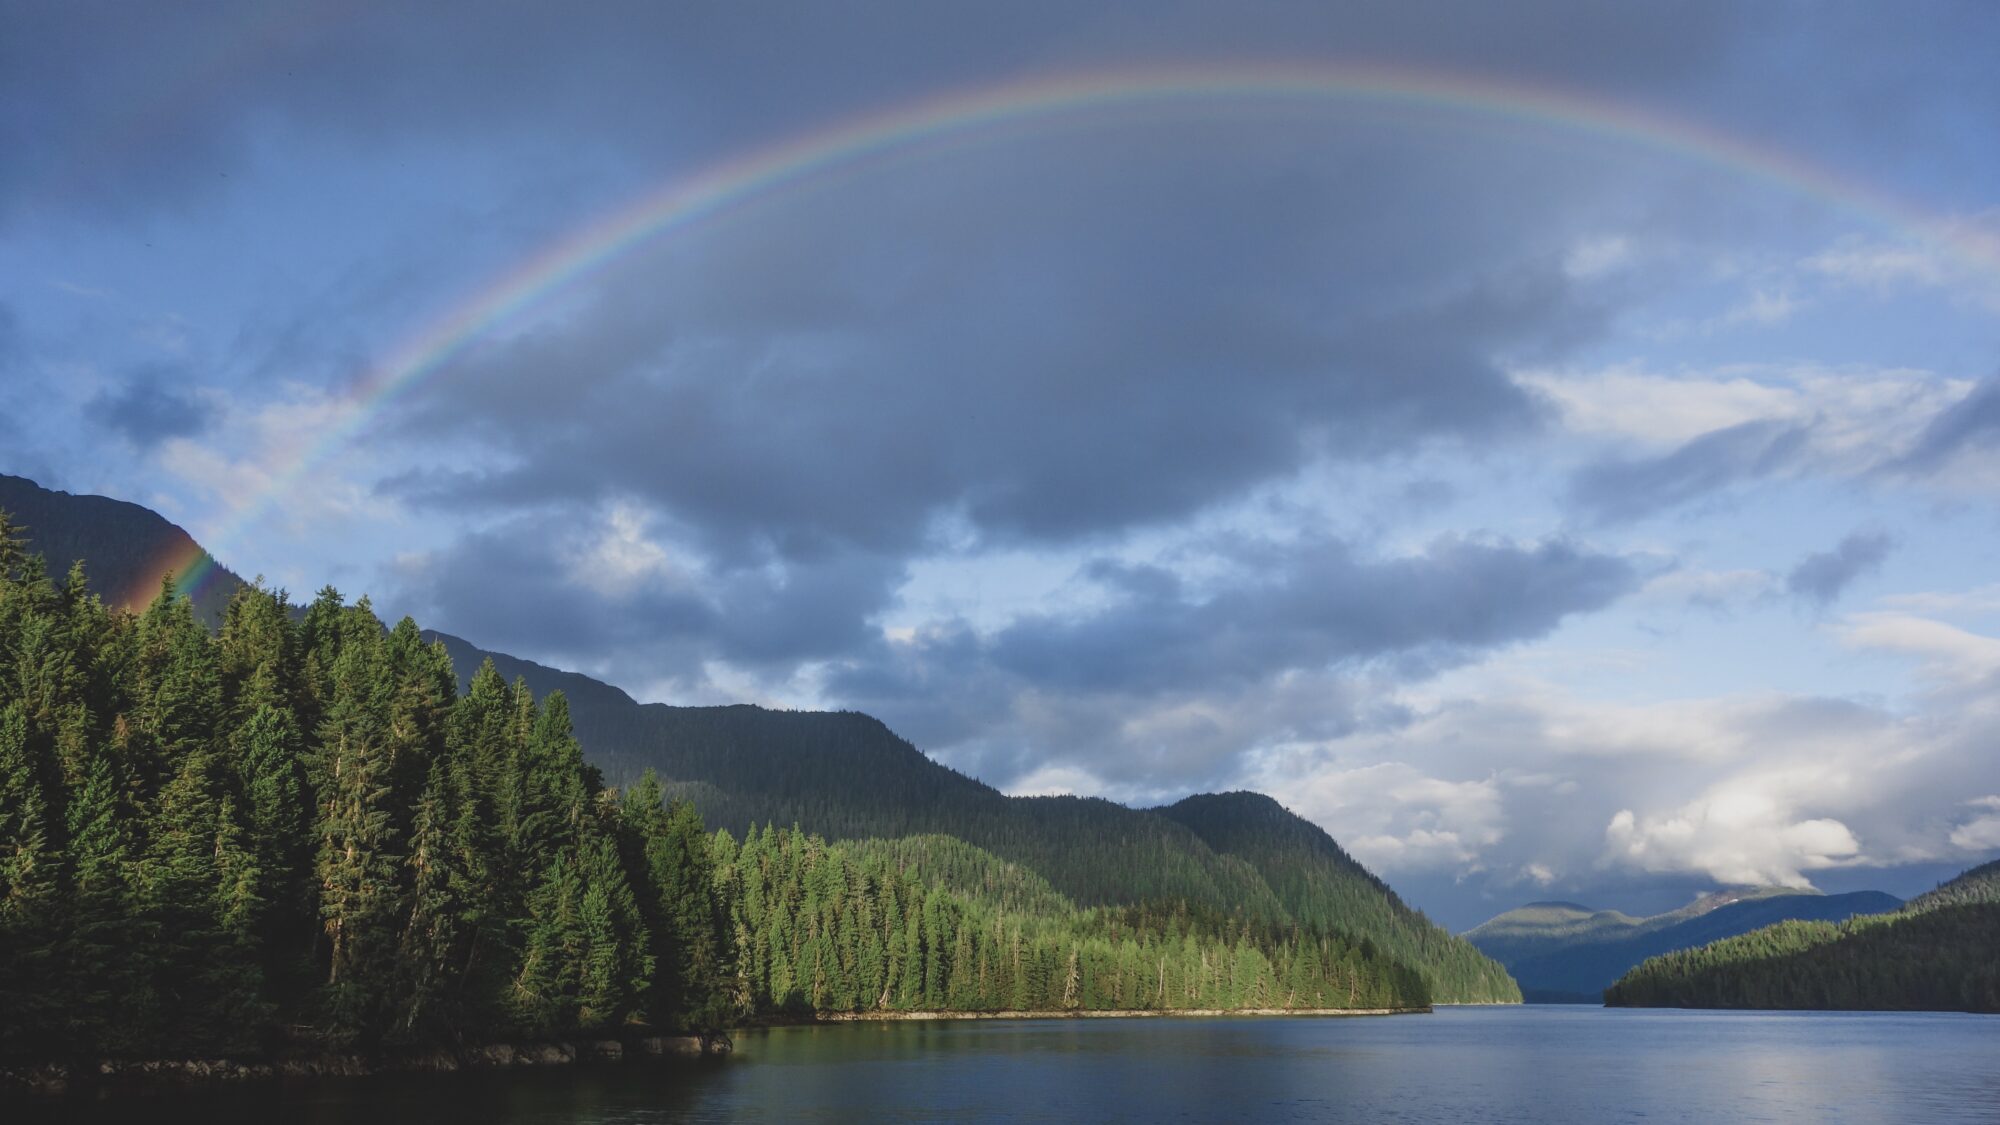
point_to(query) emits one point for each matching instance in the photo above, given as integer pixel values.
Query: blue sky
(1544, 511)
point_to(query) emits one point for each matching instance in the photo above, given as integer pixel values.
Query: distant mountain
(1561, 952)
(1941, 951)
(845, 775)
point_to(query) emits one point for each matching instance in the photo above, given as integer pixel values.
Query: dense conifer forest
(1940, 952)
(847, 777)
(297, 832)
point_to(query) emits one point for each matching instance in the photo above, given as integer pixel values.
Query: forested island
(1941, 952)
(296, 833)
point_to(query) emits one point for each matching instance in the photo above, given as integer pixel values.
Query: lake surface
(1536, 1064)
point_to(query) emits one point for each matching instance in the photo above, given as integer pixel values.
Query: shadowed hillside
(1941, 951)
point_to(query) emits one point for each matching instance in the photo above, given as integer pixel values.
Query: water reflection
(1488, 1064)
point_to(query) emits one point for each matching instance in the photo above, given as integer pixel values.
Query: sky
(1550, 445)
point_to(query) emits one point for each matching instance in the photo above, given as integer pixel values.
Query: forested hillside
(296, 832)
(1323, 886)
(883, 925)
(1941, 951)
(299, 831)
(1565, 953)
(846, 776)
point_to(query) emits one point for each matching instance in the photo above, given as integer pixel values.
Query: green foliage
(296, 830)
(922, 924)
(213, 841)
(1321, 885)
(1937, 953)
(848, 777)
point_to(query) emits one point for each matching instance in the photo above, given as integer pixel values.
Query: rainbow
(731, 184)
(183, 562)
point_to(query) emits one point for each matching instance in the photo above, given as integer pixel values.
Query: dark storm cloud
(1821, 577)
(136, 108)
(1632, 488)
(1034, 341)
(147, 408)
(534, 583)
(1972, 422)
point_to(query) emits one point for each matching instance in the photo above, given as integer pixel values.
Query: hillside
(1565, 953)
(127, 548)
(846, 776)
(1936, 953)
(1980, 884)
(1323, 886)
(295, 831)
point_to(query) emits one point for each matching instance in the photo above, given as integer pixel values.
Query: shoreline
(818, 1018)
(57, 1079)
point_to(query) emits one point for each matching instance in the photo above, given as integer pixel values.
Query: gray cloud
(175, 100)
(1314, 622)
(1972, 422)
(11, 346)
(652, 621)
(1631, 488)
(147, 408)
(832, 376)
(1821, 577)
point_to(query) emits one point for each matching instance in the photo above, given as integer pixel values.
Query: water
(1546, 1064)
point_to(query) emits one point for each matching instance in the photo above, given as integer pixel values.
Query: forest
(296, 832)
(848, 777)
(1938, 954)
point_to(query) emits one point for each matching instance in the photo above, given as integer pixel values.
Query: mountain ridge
(848, 776)
(1934, 953)
(1571, 954)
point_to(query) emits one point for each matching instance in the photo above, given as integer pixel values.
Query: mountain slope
(127, 548)
(1937, 953)
(1581, 966)
(1322, 885)
(1978, 885)
(846, 776)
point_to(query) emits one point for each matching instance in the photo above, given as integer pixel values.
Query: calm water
(1459, 1065)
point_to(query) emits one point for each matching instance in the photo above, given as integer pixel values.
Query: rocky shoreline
(55, 1078)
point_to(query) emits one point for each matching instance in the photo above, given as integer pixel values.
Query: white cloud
(625, 557)
(1977, 601)
(1947, 652)
(1056, 780)
(1743, 788)
(1595, 257)
(1981, 833)
(1853, 420)
(1742, 832)
(1631, 403)
(1958, 256)
(1762, 307)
